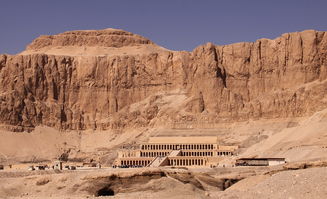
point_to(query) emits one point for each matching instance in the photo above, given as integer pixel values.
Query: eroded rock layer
(284, 77)
(107, 38)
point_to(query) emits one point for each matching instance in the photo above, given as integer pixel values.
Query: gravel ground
(304, 183)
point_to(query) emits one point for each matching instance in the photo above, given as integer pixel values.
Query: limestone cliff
(115, 79)
(107, 38)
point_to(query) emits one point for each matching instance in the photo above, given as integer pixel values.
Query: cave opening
(106, 191)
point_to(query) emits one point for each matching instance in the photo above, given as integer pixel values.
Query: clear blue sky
(174, 24)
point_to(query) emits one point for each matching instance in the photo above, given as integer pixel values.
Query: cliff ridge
(115, 79)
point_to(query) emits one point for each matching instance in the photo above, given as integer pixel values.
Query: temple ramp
(174, 153)
(159, 161)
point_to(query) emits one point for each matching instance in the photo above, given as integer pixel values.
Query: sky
(173, 24)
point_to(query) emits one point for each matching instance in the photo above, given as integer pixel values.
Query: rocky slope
(115, 79)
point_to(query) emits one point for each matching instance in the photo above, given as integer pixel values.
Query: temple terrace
(196, 151)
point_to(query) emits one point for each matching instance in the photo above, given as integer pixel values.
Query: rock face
(106, 38)
(284, 77)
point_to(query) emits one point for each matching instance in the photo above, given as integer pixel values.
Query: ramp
(174, 153)
(158, 161)
(163, 160)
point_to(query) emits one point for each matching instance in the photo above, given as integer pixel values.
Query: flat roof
(184, 140)
(261, 159)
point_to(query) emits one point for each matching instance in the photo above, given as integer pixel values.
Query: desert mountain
(85, 95)
(113, 79)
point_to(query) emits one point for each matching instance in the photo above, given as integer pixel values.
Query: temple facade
(176, 151)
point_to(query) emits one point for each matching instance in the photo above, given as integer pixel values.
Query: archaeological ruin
(195, 151)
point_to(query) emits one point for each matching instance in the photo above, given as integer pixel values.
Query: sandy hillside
(296, 139)
(308, 183)
(305, 141)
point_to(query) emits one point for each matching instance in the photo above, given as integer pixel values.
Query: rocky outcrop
(106, 38)
(284, 77)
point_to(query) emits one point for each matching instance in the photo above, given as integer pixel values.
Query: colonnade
(196, 153)
(176, 146)
(135, 162)
(184, 153)
(129, 154)
(224, 153)
(186, 162)
(154, 154)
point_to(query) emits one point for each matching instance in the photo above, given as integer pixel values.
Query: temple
(201, 151)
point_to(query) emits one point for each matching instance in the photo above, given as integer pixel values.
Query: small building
(1, 167)
(259, 161)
